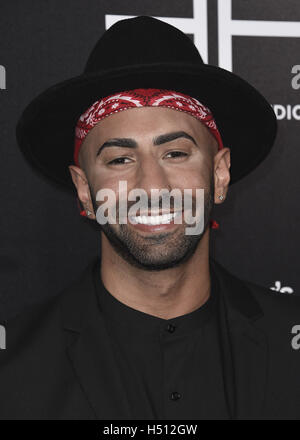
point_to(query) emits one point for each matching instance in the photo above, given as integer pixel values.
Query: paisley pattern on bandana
(142, 98)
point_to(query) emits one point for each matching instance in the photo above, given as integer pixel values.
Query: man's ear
(221, 174)
(83, 191)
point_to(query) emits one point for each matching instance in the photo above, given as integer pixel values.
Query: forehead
(140, 121)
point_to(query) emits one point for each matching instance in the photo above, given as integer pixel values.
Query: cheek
(191, 177)
(113, 190)
(102, 178)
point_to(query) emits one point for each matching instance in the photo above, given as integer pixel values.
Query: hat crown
(141, 40)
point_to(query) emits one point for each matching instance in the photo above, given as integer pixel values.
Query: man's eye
(177, 153)
(118, 161)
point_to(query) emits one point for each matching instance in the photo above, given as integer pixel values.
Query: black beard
(160, 251)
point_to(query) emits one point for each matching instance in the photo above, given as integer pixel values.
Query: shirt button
(175, 395)
(171, 328)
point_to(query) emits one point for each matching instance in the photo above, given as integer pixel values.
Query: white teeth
(154, 220)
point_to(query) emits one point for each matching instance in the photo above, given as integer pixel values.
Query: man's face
(185, 162)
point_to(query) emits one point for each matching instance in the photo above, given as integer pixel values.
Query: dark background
(44, 242)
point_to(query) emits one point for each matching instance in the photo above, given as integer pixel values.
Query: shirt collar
(134, 322)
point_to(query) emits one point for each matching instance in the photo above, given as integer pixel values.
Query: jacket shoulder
(278, 307)
(252, 298)
(267, 296)
(42, 320)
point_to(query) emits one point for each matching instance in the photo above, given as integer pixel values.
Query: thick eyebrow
(131, 143)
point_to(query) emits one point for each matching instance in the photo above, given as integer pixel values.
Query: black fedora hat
(144, 52)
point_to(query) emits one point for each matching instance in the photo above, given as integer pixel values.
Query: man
(155, 329)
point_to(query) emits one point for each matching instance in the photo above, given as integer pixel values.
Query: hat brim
(246, 121)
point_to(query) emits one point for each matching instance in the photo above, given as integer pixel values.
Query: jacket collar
(243, 345)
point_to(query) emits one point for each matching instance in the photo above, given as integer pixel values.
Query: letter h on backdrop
(227, 28)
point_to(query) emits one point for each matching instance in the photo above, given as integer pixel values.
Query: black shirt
(170, 369)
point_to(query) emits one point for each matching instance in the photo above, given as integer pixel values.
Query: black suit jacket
(58, 357)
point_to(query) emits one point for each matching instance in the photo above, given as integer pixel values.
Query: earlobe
(219, 197)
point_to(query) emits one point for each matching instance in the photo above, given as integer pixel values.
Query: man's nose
(152, 175)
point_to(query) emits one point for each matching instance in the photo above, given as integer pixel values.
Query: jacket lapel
(244, 347)
(89, 351)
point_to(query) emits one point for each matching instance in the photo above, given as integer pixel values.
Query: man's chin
(156, 252)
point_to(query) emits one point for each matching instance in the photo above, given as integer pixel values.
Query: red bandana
(142, 98)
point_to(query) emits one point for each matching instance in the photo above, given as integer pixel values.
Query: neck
(167, 293)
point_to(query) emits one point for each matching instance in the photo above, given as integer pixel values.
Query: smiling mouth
(152, 220)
